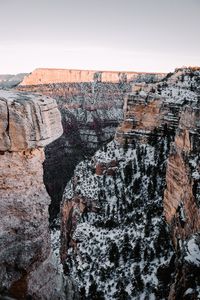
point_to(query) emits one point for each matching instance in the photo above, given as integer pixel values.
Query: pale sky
(142, 35)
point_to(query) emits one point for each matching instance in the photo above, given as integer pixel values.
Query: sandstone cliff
(27, 123)
(48, 76)
(181, 203)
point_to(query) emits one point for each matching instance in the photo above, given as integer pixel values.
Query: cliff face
(48, 76)
(181, 203)
(28, 123)
(133, 206)
(183, 176)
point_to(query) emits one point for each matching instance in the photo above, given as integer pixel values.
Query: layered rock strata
(27, 268)
(48, 76)
(181, 201)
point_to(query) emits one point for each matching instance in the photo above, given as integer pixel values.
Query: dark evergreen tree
(137, 251)
(128, 173)
(138, 279)
(127, 248)
(125, 145)
(94, 293)
(114, 254)
(135, 166)
(121, 293)
(82, 293)
(137, 185)
(153, 137)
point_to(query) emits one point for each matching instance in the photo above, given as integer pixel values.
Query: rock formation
(183, 176)
(139, 195)
(27, 268)
(148, 202)
(48, 76)
(181, 203)
(91, 106)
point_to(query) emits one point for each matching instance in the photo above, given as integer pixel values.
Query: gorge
(123, 175)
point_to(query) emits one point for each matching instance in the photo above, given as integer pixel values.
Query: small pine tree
(127, 248)
(82, 293)
(114, 254)
(125, 145)
(137, 251)
(153, 137)
(138, 279)
(121, 293)
(128, 173)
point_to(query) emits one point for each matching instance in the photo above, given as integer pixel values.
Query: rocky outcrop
(147, 112)
(71, 212)
(28, 123)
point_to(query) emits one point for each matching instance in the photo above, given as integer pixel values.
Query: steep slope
(181, 204)
(113, 234)
(27, 265)
(115, 241)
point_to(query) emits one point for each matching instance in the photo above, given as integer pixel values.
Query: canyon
(123, 169)
(91, 111)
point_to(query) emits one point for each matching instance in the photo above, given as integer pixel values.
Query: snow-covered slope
(115, 242)
(119, 250)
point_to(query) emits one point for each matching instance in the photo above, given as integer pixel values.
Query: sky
(129, 35)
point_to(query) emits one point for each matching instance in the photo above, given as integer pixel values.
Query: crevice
(7, 129)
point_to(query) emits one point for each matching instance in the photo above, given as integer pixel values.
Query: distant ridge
(9, 81)
(48, 76)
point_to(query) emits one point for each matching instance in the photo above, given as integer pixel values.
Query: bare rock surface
(28, 123)
(46, 76)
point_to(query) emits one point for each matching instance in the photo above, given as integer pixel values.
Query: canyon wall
(182, 177)
(27, 265)
(170, 107)
(182, 203)
(90, 111)
(139, 195)
(48, 76)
